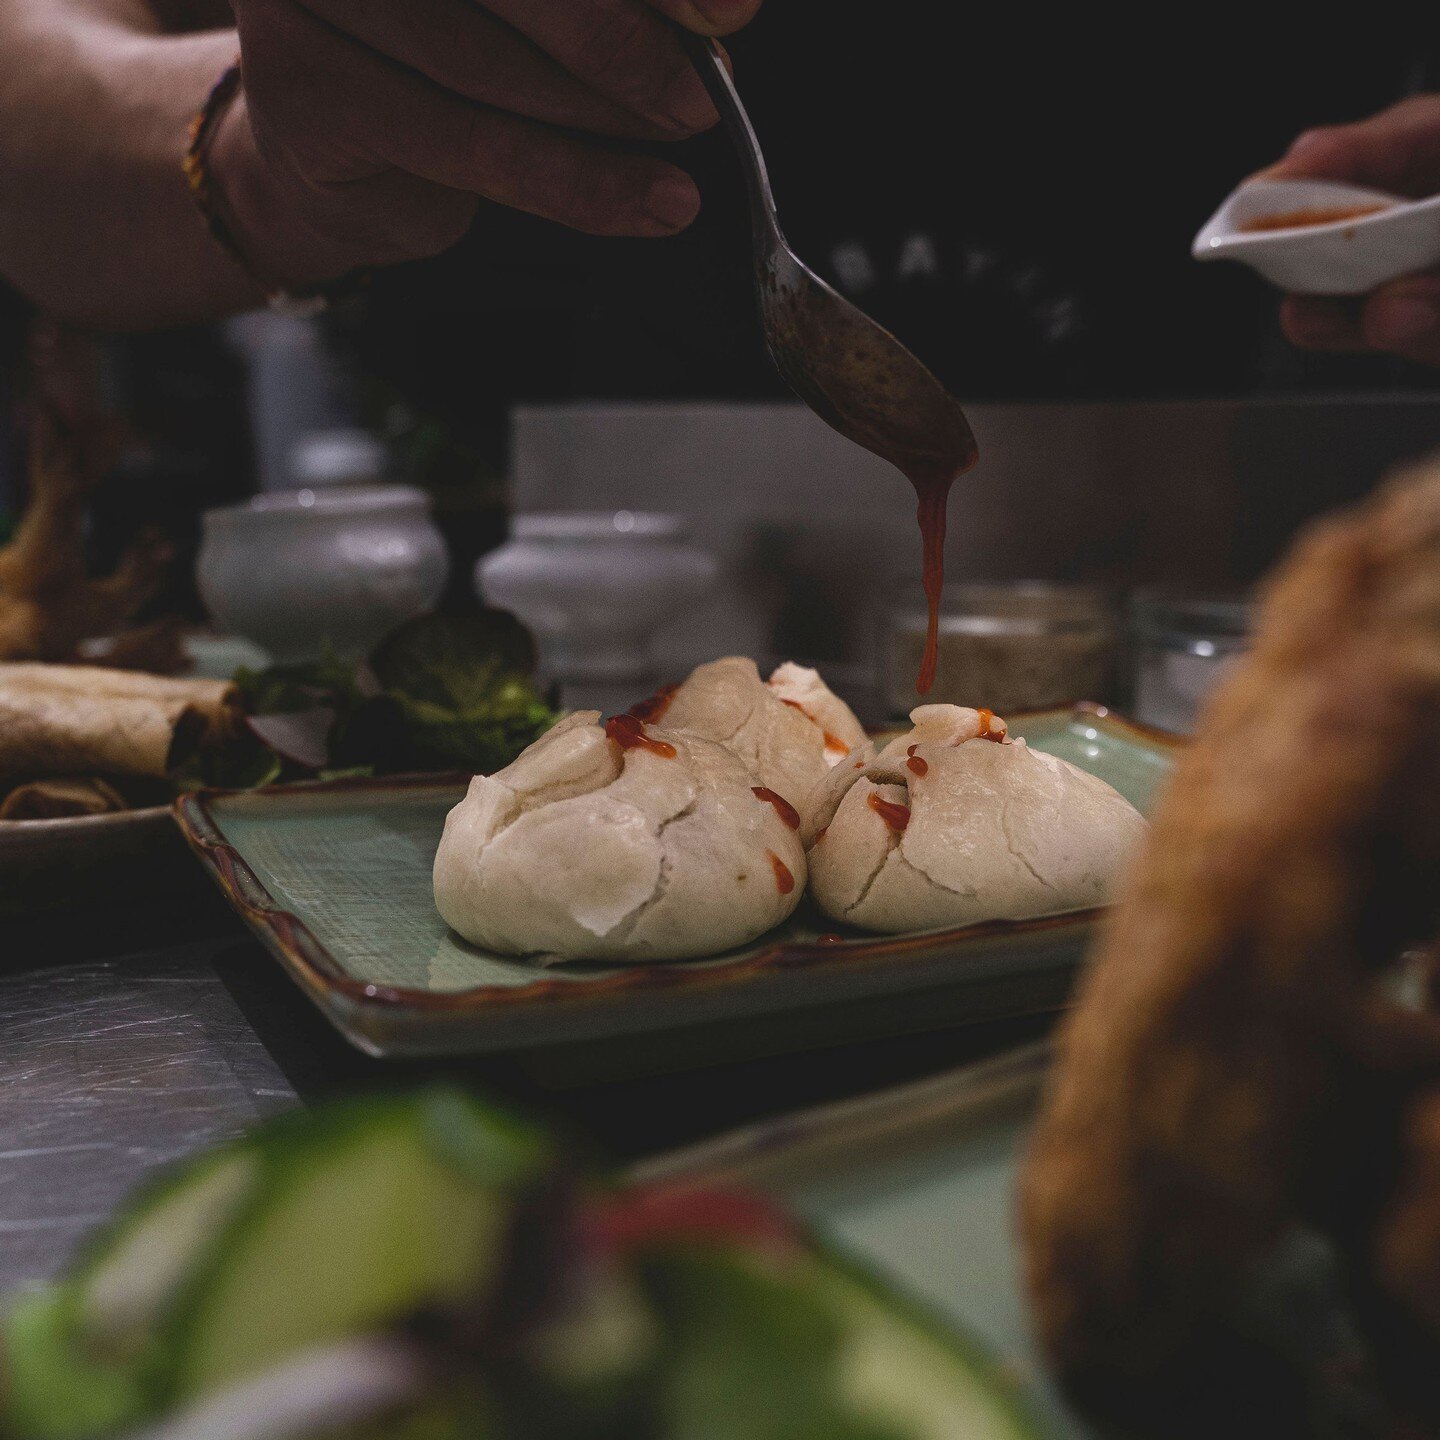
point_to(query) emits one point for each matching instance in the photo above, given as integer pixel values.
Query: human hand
(366, 129)
(1397, 150)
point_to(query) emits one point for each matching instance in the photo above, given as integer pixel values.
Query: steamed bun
(956, 823)
(789, 731)
(618, 842)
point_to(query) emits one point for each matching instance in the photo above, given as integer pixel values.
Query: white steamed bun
(955, 823)
(789, 731)
(590, 846)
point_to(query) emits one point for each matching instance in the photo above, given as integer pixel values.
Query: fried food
(1234, 1021)
(49, 602)
(217, 700)
(57, 732)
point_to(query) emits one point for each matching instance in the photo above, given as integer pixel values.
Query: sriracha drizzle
(629, 734)
(784, 880)
(783, 808)
(897, 817)
(932, 489)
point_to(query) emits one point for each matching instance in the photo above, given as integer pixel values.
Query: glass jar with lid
(1005, 645)
(1181, 646)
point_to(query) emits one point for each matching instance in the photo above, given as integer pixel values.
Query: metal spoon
(854, 374)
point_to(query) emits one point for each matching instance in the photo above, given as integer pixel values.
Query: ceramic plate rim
(54, 826)
(321, 975)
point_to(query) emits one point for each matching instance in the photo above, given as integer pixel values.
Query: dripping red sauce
(932, 490)
(820, 834)
(629, 734)
(915, 764)
(653, 707)
(784, 880)
(897, 817)
(783, 808)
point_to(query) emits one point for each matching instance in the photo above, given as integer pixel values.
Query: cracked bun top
(956, 823)
(622, 841)
(789, 731)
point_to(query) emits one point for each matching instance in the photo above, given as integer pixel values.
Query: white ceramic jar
(297, 570)
(594, 587)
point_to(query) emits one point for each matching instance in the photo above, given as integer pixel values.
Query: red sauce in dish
(784, 880)
(897, 817)
(650, 710)
(783, 808)
(1317, 215)
(629, 734)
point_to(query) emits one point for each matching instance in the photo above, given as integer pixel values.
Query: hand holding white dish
(622, 841)
(1349, 255)
(955, 823)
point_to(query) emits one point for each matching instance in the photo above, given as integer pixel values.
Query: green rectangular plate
(917, 1183)
(334, 877)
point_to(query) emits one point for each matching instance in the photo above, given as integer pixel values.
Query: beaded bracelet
(197, 175)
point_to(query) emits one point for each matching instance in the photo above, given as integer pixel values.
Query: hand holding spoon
(854, 374)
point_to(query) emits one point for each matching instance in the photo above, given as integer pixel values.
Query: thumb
(1398, 150)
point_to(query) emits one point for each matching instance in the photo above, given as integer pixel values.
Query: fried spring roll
(216, 700)
(58, 732)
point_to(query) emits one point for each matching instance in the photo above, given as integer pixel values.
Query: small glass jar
(1020, 646)
(1181, 647)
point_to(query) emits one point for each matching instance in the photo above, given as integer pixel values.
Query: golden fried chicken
(1228, 1058)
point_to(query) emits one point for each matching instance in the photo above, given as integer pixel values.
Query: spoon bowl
(853, 373)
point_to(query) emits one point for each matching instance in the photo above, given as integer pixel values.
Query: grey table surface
(132, 1038)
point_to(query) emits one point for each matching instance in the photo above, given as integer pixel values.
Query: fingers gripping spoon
(854, 374)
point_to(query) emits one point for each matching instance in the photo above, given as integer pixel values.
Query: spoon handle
(708, 59)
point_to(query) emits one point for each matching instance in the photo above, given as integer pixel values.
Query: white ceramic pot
(594, 587)
(295, 570)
